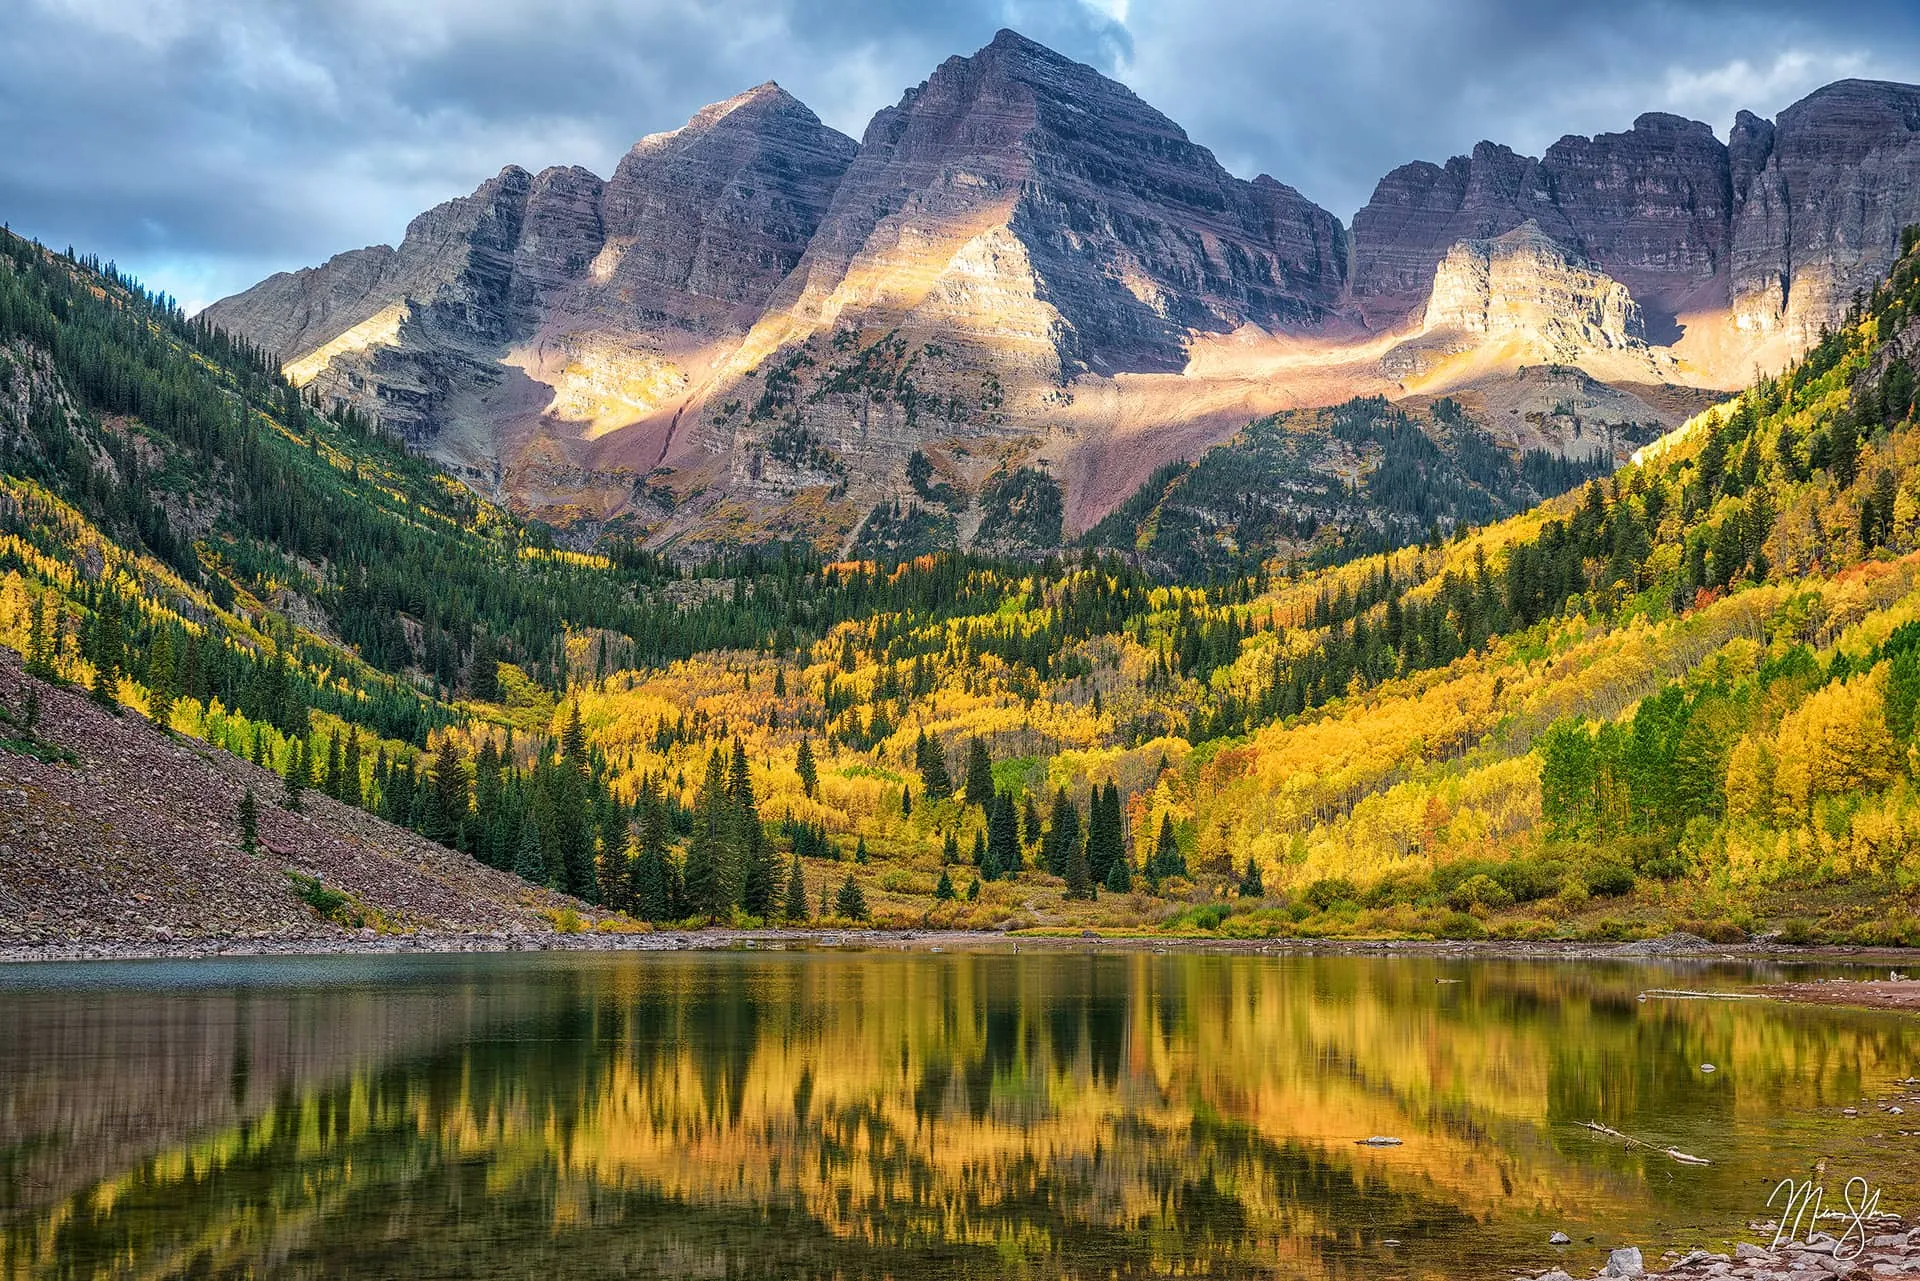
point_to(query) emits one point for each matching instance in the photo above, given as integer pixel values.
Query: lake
(893, 1114)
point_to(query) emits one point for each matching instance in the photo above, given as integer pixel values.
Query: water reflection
(825, 1115)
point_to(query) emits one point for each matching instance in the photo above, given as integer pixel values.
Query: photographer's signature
(1807, 1203)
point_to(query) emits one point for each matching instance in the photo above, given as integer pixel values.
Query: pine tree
(949, 849)
(979, 786)
(795, 907)
(41, 648)
(973, 890)
(160, 675)
(752, 855)
(1103, 842)
(652, 874)
(860, 850)
(1079, 872)
(1250, 884)
(529, 863)
(1167, 860)
(616, 858)
(330, 783)
(573, 740)
(350, 768)
(943, 889)
(932, 764)
(447, 806)
(565, 829)
(108, 647)
(1063, 838)
(488, 795)
(294, 780)
(1003, 837)
(249, 823)
(705, 883)
(1031, 822)
(485, 678)
(850, 902)
(805, 767)
(1119, 878)
(906, 801)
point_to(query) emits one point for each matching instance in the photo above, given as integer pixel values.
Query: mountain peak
(1013, 56)
(752, 110)
(1007, 40)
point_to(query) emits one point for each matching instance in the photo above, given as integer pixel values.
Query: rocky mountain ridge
(753, 326)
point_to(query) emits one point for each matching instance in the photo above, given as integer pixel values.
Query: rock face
(1651, 207)
(1523, 283)
(1015, 223)
(1827, 190)
(1780, 225)
(1122, 234)
(1023, 264)
(558, 290)
(1421, 210)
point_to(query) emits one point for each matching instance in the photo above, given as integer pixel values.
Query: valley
(1678, 696)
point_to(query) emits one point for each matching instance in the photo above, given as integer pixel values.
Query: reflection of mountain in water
(892, 1115)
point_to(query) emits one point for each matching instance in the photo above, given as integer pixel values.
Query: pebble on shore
(1891, 1251)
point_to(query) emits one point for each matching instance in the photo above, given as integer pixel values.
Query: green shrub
(1667, 866)
(1265, 923)
(1479, 891)
(1530, 880)
(1458, 925)
(327, 903)
(1609, 880)
(1608, 929)
(1323, 894)
(1800, 932)
(1401, 887)
(1203, 916)
(1898, 929)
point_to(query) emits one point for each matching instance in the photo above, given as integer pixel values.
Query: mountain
(1771, 232)
(1022, 270)
(1682, 695)
(556, 296)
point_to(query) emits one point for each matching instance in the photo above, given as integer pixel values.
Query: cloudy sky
(205, 143)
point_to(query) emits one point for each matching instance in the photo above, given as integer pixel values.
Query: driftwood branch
(1682, 1157)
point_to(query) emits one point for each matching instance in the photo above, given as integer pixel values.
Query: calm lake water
(882, 1114)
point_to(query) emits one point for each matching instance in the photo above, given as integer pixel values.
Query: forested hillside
(1681, 694)
(1319, 486)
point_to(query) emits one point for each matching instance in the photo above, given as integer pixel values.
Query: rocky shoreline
(1889, 1249)
(1882, 993)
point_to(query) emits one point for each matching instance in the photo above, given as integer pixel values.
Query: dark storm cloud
(206, 142)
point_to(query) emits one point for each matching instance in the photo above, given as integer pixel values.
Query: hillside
(749, 330)
(118, 832)
(1326, 485)
(1681, 695)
